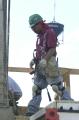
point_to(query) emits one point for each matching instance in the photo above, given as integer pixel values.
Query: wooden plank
(21, 117)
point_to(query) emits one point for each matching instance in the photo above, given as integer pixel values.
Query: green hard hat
(34, 19)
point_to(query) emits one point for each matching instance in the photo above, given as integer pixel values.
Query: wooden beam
(70, 70)
(62, 70)
(19, 69)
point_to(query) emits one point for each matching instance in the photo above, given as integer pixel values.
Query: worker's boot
(29, 114)
(65, 95)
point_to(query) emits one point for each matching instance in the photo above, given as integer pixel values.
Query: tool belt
(51, 69)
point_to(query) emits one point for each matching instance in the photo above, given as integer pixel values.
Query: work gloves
(43, 63)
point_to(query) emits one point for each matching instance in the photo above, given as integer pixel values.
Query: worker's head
(35, 21)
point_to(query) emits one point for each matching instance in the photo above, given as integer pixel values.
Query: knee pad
(36, 90)
(57, 90)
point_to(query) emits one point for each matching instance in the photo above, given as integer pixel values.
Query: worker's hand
(42, 63)
(32, 63)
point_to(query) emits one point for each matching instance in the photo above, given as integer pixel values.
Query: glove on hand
(42, 63)
(32, 63)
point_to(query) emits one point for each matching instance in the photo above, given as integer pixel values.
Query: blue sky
(22, 39)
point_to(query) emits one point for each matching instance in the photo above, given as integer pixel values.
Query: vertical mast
(54, 5)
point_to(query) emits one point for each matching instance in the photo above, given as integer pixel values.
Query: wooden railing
(62, 70)
(65, 72)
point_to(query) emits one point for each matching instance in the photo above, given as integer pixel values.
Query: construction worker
(14, 94)
(14, 89)
(46, 69)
